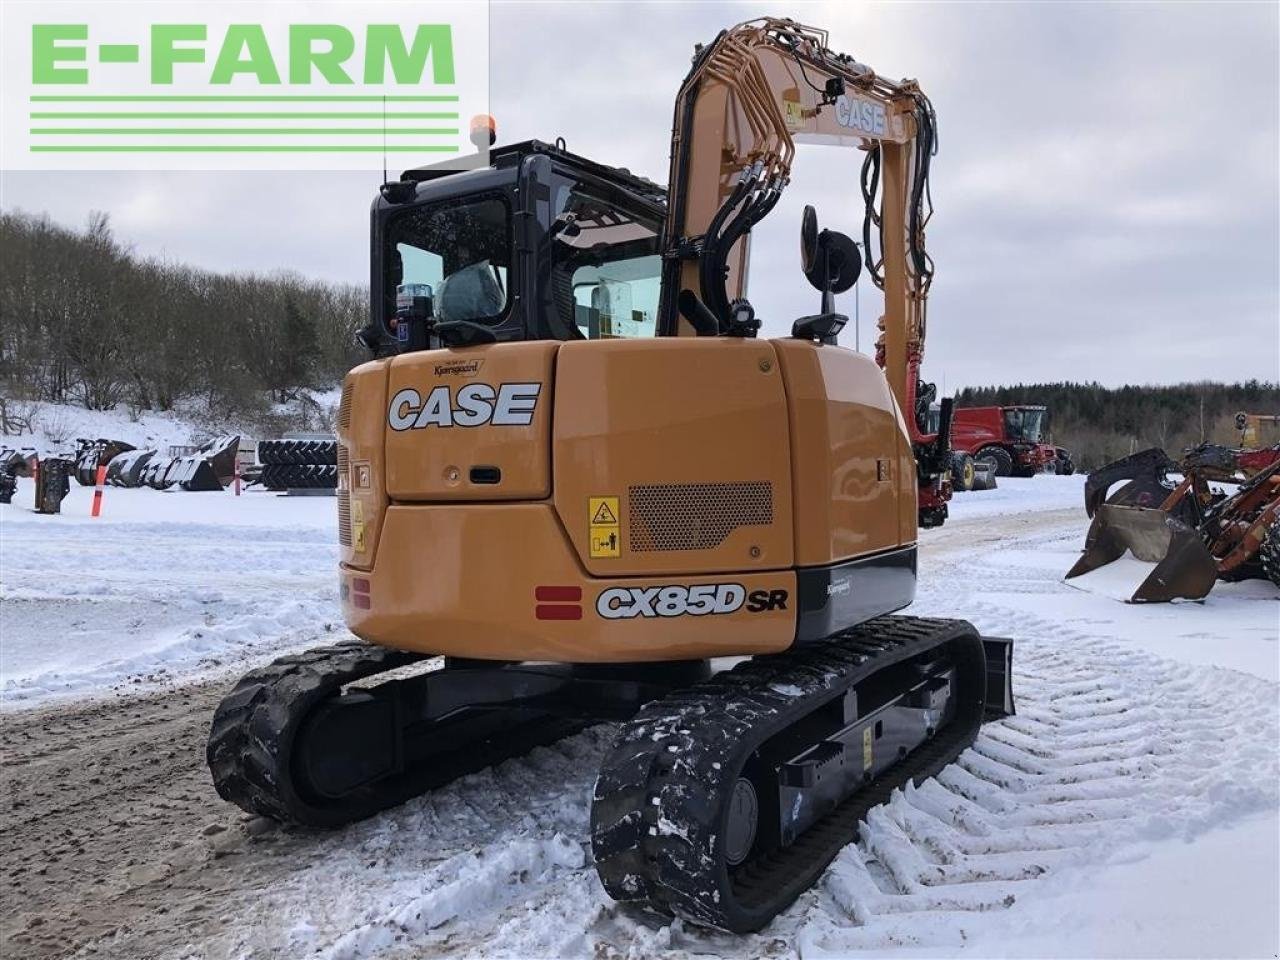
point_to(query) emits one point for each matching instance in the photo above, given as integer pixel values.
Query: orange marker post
(99, 481)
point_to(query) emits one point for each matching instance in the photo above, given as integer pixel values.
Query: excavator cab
(541, 244)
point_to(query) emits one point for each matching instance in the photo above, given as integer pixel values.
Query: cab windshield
(1023, 424)
(606, 272)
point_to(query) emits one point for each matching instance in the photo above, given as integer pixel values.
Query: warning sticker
(794, 114)
(867, 752)
(357, 526)
(602, 518)
(604, 511)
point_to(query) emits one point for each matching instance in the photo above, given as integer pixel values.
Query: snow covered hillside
(1128, 809)
(56, 426)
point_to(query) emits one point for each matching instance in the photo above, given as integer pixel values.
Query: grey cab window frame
(396, 235)
(629, 285)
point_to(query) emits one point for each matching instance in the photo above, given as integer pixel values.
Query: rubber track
(249, 749)
(661, 792)
(251, 741)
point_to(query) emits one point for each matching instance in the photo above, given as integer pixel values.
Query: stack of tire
(299, 464)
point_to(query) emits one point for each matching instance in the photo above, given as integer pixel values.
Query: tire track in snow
(1110, 746)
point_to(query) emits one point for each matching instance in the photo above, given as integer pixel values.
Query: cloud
(1106, 188)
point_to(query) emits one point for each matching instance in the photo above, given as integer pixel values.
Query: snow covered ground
(1129, 809)
(161, 586)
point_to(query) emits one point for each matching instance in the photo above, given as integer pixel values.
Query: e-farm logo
(281, 85)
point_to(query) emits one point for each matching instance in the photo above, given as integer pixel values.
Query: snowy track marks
(1110, 746)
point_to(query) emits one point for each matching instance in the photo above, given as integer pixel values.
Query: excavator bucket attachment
(1184, 567)
(1147, 472)
(984, 476)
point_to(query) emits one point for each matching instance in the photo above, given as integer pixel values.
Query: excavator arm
(755, 92)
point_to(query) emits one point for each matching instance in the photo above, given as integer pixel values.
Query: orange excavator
(574, 479)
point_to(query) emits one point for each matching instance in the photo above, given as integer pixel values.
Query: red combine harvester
(1008, 438)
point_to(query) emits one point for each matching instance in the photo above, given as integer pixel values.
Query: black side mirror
(830, 260)
(831, 263)
(809, 240)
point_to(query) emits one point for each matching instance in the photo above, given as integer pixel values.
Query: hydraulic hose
(711, 263)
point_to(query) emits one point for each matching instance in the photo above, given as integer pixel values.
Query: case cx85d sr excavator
(574, 477)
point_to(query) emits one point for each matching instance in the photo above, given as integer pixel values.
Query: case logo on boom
(626, 603)
(862, 115)
(473, 405)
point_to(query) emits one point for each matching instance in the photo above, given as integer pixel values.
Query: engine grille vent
(344, 489)
(344, 406)
(695, 516)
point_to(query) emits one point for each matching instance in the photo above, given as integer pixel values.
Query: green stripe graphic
(266, 98)
(268, 115)
(237, 148)
(262, 131)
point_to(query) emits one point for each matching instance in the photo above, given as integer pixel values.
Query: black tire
(306, 476)
(1269, 553)
(324, 476)
(999, 459)
(298, 452)
(281, 476)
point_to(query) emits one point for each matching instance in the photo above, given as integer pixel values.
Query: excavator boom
(753, 94)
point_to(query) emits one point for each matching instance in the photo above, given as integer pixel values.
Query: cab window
(606, 272)
(462, 250)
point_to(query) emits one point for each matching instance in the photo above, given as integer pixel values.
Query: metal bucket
(1184, 567)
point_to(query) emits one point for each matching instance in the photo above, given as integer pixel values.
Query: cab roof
(511, 155)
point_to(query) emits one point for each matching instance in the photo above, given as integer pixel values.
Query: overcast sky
(1106, 184)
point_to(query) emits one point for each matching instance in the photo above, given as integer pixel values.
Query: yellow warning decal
(793, 111)
(605, 536)
(357, 526)
(867, 753)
